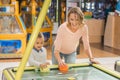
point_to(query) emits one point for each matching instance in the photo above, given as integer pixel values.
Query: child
(38, 54)
(68, 36)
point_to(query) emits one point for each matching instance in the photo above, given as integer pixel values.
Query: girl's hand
(44, 65)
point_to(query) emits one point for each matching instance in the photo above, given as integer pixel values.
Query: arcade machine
(88, 7)
(29, 12)
(93, 9)
(12, 31)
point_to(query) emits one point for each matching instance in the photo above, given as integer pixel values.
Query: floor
(105, 55)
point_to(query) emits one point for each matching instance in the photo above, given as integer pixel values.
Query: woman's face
(38, 43)
(74, 20)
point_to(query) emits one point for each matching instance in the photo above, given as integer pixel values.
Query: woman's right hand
(58, 58)
(61, 63)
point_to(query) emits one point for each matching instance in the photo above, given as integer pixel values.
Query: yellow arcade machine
(12, 31)
(29, 12)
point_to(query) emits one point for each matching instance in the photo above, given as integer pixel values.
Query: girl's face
(74, 20)
(38, 43)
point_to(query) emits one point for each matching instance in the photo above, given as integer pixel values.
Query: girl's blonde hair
(77, 11)
(40, 35)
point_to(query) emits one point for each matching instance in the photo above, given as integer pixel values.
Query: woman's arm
(86, 44)
(91, 58)
(58, 58)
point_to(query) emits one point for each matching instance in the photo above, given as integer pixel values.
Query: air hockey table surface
(84, 71)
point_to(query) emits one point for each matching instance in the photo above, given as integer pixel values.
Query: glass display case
(9, 25)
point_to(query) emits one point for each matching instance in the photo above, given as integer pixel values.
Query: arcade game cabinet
(29, 12)
(12, 31)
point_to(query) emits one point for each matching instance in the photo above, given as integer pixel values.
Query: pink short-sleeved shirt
(67, 41)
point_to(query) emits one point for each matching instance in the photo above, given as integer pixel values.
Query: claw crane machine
(29, 12)
(12, 31)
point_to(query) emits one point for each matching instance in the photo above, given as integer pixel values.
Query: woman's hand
(92, 60)
(61, 63)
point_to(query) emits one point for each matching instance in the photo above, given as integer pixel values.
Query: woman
(68, 36)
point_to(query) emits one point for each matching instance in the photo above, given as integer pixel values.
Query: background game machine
(12, 31)
(29, 12)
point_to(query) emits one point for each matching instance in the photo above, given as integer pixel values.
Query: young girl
(38, 54)
(68, 36)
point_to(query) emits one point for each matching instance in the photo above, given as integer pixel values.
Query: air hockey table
(84, 71)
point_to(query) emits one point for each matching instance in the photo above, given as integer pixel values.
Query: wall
(96, 30)
(112, 32)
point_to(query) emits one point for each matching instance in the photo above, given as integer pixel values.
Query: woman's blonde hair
(77, 11)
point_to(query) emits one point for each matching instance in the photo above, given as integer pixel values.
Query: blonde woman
(68, 36)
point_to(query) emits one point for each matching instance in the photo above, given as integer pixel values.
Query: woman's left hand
(92, 60)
